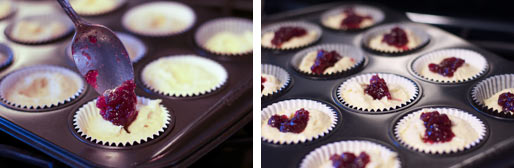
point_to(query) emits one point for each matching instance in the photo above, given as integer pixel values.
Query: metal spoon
(96, 47)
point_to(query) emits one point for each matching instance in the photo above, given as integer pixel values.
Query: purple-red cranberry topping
(352, 20)
(295, 125)
(91, 78)
(438, 127)
(506, 100)
(262, 83)
(377, 88)
(349, 160)
(447, 67)
(285, 34)
(397, 38)
(324, 60)
(119, 105)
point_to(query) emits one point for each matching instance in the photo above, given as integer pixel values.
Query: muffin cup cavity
(296, 104)
(217, 70)
(7, 56)
(342, 49)
(487, 88)
(98, 11)
(411, 88)
(306, 25)
(238, 26)
(474, 59)
(59, 20)
(473, 121)
(422, 38)
(175, 10)
(320, 155)
(15, 77)
(89, 112)
(377, 15)
(280, 74)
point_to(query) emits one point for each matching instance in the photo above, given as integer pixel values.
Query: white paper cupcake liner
(342, 49)
(487, 88)
(128, 41)
(44, 19)
(306, 25)
(418, 32)
(228, 24)
(280, 74)
(8, 54)
(409, 85)
(377, 14)
(98, 11)
(175, 9)
(217, 69)
(89, 111)
(297, 104)
(475, 123)
(12, 9)
(472, 58)
(321, 155)
(13, 78)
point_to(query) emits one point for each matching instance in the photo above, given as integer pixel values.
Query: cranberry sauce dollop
(295, 125)
(324, 60)
(119, 105)
(285, 34)
(506, 100)
(377, 88)
(91, 78)
(447, 67)
(397, 38)
(262, 83)
(438, 127)
(349, 160)
(352, 20)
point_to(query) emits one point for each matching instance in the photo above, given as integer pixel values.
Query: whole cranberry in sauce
(295, 125)
(447, 66)
(438, 127)
(506, 101)
(325, 60)
(377, 88)
(119, 105)
(349, 160)
(352, 19)
(397, 38)
(285, 34)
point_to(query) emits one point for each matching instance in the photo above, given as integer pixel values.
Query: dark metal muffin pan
(379, 126)
(198, 123)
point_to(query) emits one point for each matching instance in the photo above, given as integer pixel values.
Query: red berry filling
(397, 38)
(447, 67)
(349, 160)
(506, 100)
(438, 127)
(325, 60)
(285, 34)
(295, 125)
(91, 78)
(262, 83)
(377, 88)
(353, 20)
(119, 106)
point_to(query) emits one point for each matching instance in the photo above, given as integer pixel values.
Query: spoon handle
(70, 12)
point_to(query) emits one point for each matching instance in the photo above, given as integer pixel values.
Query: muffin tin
(380, 126)
(198, 123)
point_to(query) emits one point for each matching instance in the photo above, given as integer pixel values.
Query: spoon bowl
(98, 54)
